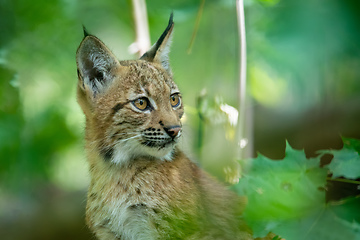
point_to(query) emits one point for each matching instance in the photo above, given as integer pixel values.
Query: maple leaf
(346, 162)
(282, 189)
(287, 197)
(333, 221)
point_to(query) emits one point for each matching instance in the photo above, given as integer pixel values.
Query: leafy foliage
(287, 196)
(41, 126)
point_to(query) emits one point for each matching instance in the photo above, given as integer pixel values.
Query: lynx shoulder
(142, 185)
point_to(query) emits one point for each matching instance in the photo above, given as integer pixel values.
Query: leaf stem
(343, 180)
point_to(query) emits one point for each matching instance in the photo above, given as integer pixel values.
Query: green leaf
(281, 191)
(352, 143)
(286, 197)
(323, 223)
(346, 162)
(348, 209)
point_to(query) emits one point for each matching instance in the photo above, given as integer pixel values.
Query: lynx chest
(145, 199)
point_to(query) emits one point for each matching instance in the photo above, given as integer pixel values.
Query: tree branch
(142, 42)
(242, 140)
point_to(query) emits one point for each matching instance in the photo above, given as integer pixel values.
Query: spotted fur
(142, 185)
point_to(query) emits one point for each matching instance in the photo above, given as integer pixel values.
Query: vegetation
(303, 82)
(288, 197)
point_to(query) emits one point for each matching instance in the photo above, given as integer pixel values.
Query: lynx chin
(142, 185)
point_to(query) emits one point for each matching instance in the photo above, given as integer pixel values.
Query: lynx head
(133, 108)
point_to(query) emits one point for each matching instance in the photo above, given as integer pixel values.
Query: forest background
(303, 87)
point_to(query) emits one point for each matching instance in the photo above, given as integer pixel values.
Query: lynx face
(132, 108)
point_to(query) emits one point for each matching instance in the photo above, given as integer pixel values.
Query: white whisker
(126, 139)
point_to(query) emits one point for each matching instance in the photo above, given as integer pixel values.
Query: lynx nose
(172, 131)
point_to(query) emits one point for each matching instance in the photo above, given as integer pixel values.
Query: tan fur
(145, 189)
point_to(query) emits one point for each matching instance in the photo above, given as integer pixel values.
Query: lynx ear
(159, 52)
(95, 62)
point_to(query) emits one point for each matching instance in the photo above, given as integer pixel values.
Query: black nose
(172, 131)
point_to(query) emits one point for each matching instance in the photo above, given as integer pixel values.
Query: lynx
(142, 185)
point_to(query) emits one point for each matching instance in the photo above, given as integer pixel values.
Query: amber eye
(175, 100)
(141, 103)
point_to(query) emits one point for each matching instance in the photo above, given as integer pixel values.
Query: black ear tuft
(166, 32)
(86, 33)
(160, 50)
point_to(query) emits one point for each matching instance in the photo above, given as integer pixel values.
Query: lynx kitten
(142, 185)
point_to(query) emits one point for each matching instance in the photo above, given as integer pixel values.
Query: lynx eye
(141, 103)
(175, 100)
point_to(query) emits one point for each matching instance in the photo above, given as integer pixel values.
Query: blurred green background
(303, 82)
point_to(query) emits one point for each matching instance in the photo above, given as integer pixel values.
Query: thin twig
(196, 27)
(242, 78)
(142, 42)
